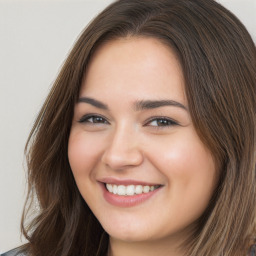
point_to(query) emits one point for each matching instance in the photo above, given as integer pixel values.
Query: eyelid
(174, 122)
(85, 117)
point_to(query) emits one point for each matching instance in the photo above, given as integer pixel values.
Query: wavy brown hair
(218, 58)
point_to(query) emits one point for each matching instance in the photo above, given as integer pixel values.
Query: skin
(140, 144)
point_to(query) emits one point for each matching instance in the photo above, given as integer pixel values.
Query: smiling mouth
(130, 190)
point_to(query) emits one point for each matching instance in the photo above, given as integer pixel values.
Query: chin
(130, 236)
(129, 232)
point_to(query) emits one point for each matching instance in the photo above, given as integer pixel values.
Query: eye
(93, 119)
(161, 122)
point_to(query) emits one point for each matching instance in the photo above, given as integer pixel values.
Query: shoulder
(14, 252)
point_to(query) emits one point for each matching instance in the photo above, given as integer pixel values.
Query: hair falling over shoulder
(218, 58)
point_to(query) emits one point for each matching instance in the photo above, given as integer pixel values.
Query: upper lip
(117, 181)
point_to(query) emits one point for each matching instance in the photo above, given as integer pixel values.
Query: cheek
(189, 168)
(82, 153)
(190, 161)
(184, 154)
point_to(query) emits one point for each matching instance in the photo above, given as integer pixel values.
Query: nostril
(119, 158)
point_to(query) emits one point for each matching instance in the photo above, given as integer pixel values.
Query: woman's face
(134, 152)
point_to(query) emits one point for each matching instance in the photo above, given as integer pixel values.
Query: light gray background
(35, 37)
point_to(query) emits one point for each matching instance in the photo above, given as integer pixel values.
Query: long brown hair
(218, 58)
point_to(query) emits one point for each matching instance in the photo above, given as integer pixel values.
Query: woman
(146, 143)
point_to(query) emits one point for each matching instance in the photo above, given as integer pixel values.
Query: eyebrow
(151, 104)
(93, 102)
(138, 105)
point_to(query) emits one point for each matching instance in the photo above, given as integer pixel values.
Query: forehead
(134, 64)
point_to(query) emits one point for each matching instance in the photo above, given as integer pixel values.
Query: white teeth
(129, 190)
(115, 189)
(146, 189)
(121, 190)
(109, 188)
(139, 189)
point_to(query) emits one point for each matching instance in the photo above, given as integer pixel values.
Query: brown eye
(93, 119)
(158, 122)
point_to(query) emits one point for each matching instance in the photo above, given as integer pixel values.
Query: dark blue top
(253, 251)
(16, 252)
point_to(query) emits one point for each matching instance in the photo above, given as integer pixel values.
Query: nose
(123, 150)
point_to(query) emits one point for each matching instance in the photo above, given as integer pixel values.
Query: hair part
(218, 58)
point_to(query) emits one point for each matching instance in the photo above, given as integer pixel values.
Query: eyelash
(86, 118)
(166, 121)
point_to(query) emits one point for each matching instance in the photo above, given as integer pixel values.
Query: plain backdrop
(35, 38)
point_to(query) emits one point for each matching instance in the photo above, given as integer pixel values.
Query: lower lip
(127, 201)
